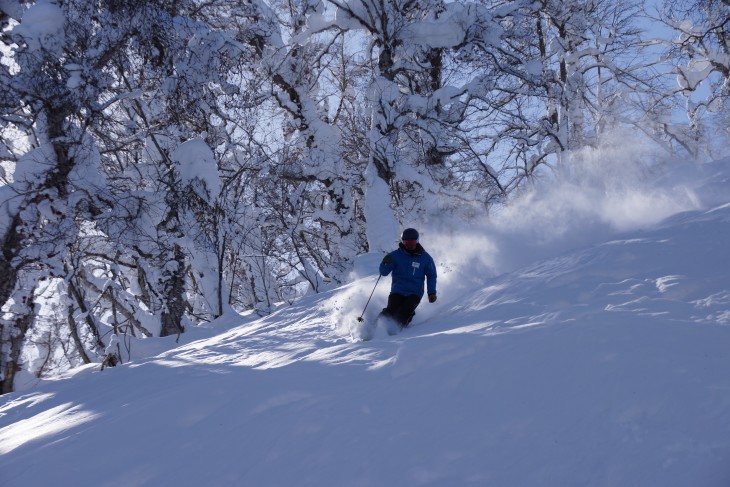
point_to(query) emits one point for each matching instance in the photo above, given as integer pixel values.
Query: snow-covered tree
(407, 102)
(700, 52)
(90, 88)
(54, 183)
(162, 162)
(581, 68)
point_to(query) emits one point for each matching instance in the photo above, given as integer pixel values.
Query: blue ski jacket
(410, 270)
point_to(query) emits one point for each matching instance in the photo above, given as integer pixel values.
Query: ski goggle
(410, 242)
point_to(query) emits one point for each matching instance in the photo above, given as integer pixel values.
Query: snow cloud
(620, 187)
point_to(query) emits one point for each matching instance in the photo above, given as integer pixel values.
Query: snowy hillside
(602, 365)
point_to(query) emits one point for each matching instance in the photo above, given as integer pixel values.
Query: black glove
(387, 259)
(431, 298)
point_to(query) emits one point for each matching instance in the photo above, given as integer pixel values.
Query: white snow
(434, 34)
(382, 230)
(12, 8)
(33, 165)
(42, 26)
(694, 73)
(29, 169)
(534, 67)
(603, 364)
(195, 160)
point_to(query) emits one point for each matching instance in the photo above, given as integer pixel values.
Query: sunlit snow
(596, 354)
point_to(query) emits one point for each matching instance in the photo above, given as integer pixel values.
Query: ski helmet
(409, 234)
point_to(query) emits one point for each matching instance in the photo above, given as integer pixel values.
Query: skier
(411, 265)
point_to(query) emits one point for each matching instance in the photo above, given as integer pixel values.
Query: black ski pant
(401, 308)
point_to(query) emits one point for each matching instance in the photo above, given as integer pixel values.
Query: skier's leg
(388, 317)
(394, 304)
(407, 310)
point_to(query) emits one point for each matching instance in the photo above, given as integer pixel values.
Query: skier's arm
(387, 265)
(431, 278)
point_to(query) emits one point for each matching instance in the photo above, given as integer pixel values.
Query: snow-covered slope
(607, 365)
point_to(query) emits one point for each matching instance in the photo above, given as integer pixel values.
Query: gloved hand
(387, 259)
(431, 298)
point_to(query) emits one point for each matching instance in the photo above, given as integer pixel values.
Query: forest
(165, 161)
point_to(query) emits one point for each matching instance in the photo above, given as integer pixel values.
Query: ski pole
(371, 296)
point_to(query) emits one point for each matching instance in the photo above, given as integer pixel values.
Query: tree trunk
(15, 337)
(382, 226)
(10, 247)
(175, 302)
